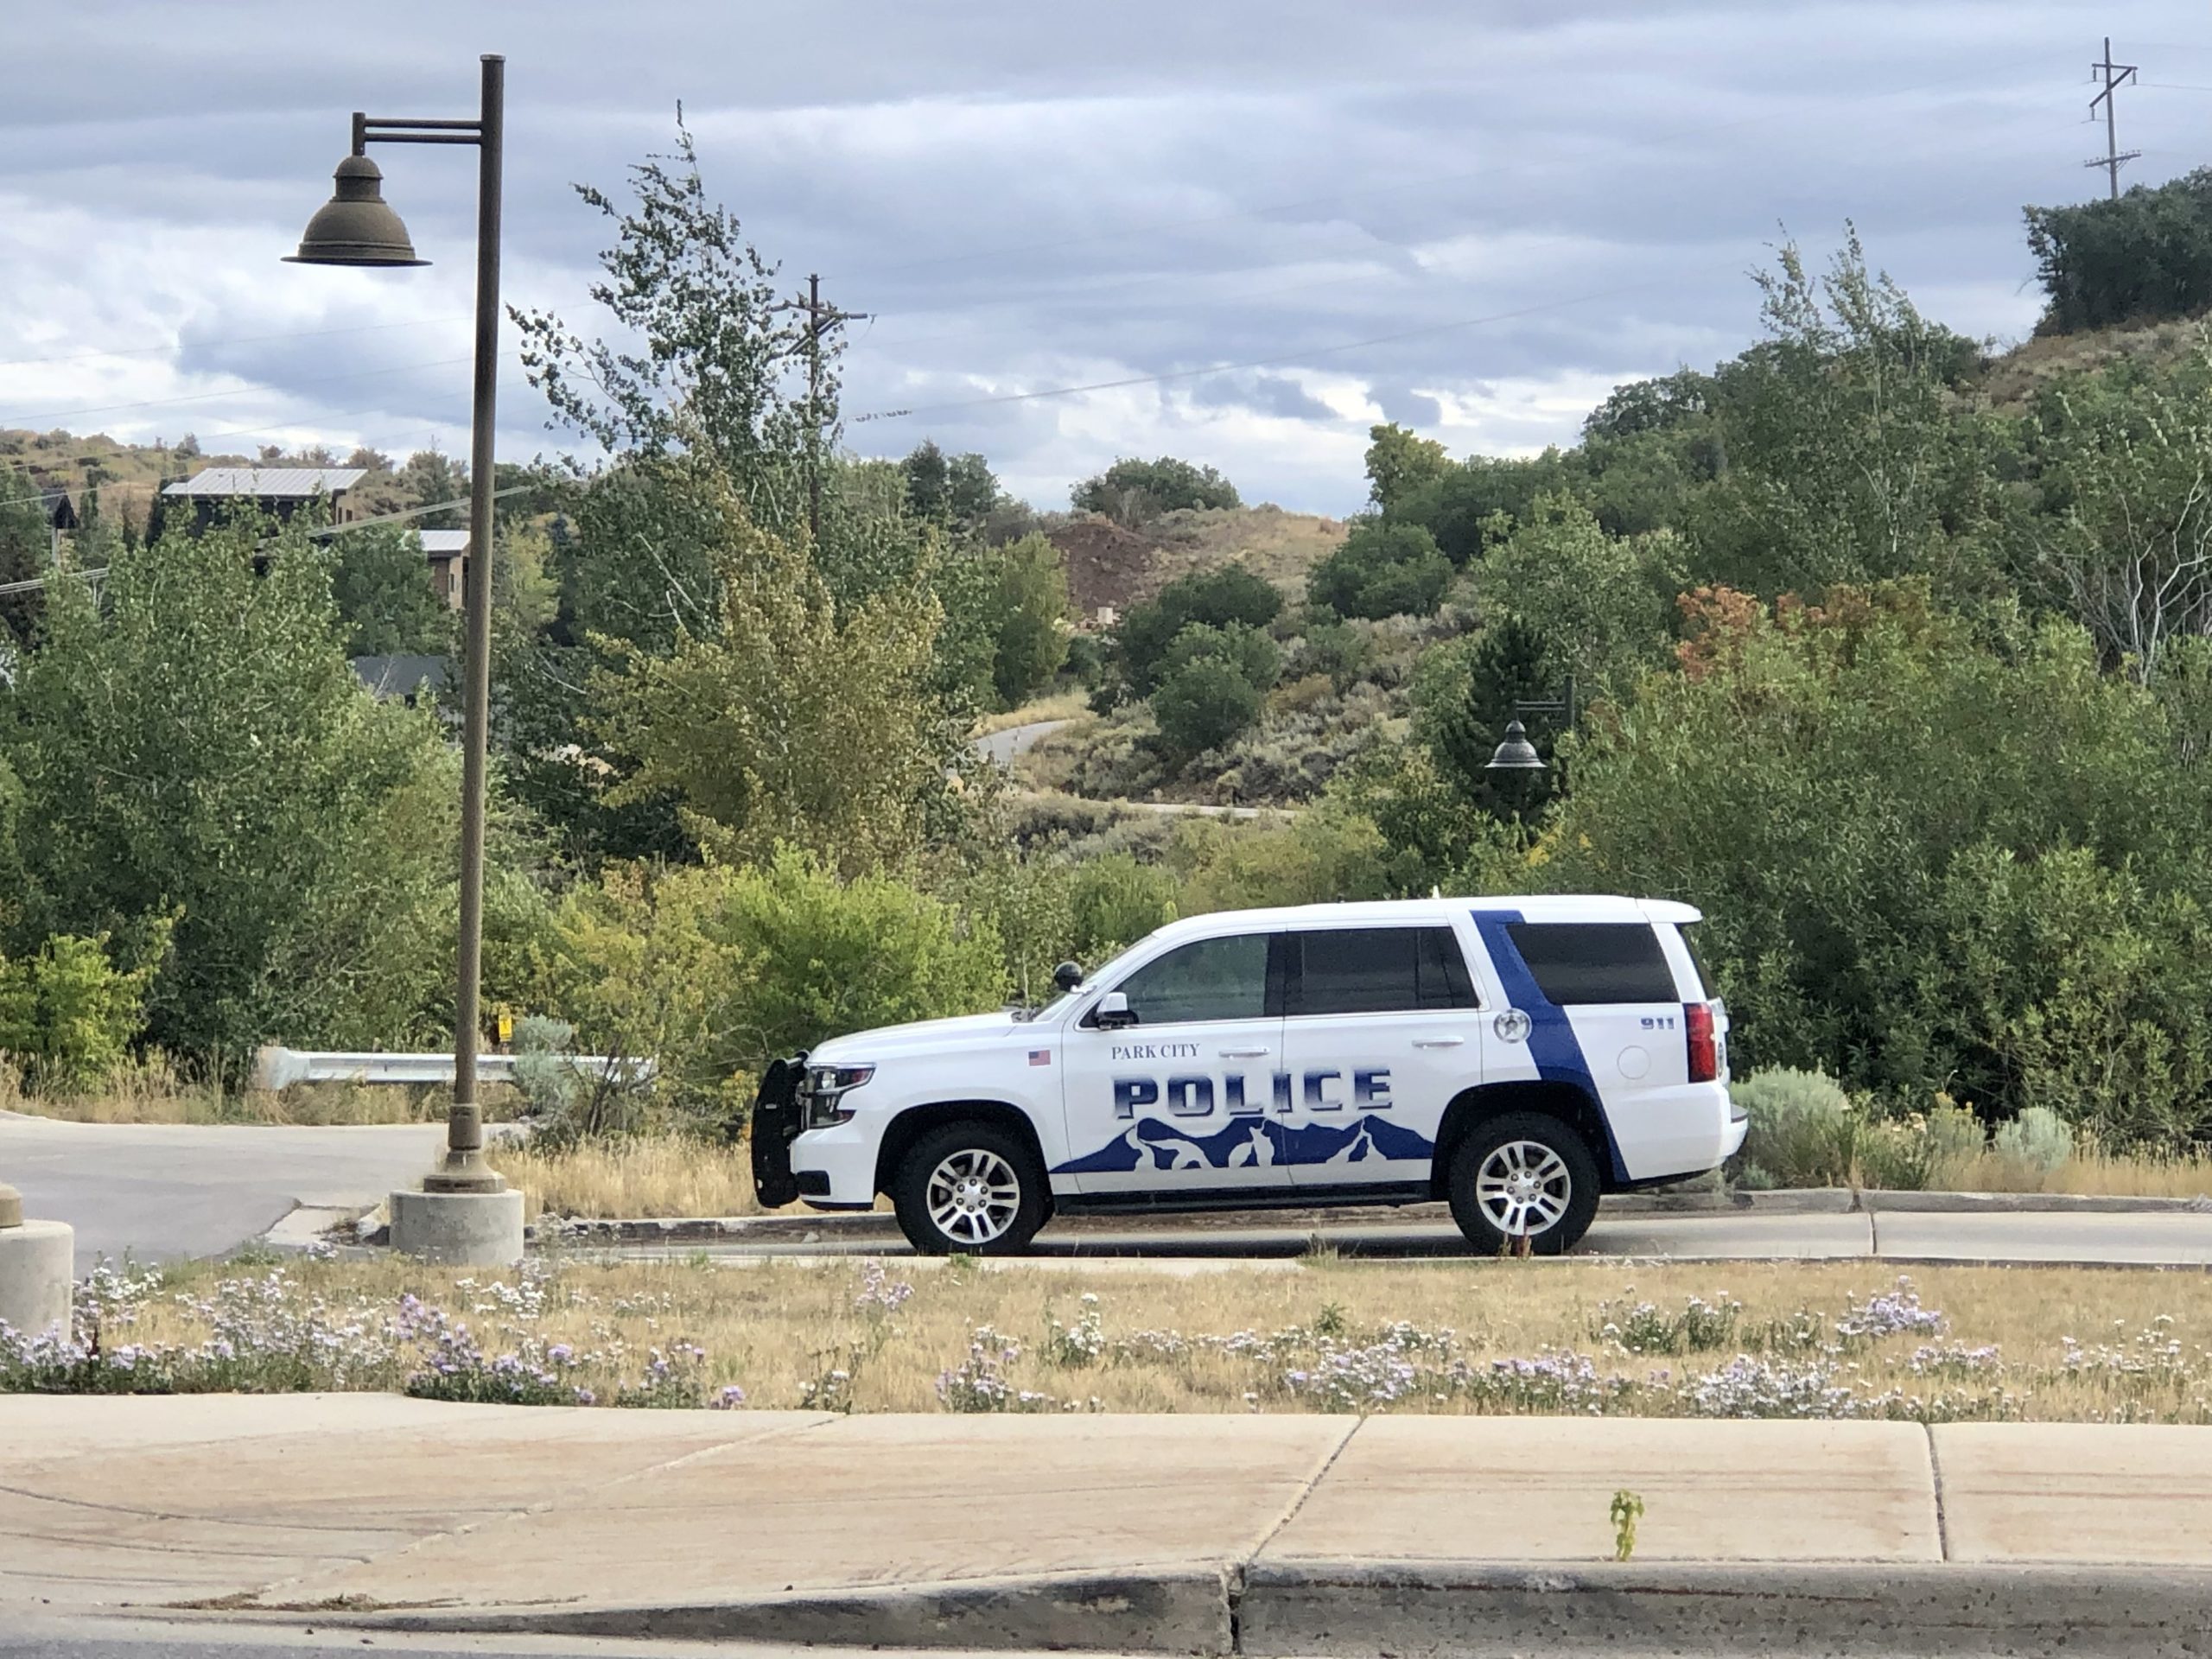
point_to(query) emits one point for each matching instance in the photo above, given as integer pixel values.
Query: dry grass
(649, 1175)
(155, 1092)
(1283, 547)
(1062, 705)
(2092, 1171)
(776, 1327)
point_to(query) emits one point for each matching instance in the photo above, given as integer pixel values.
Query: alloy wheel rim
(1523, 1187)
(973, 1196)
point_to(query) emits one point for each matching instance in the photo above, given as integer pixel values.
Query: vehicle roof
(1537, 907)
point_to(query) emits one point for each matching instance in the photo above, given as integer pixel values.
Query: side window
(1585, 963)
(1378, 970)
(1206, 979)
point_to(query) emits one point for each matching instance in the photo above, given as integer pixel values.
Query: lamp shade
(1517, 753)
(356, 226)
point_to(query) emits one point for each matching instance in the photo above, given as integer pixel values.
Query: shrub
(1803, 1130)
(2147, 255)
(67, 1015)
(714, 971)
(1381, 569)
(1243, 647)
(1203, 704)
(2037, 1140)
(1134, 492)
(1226, 594)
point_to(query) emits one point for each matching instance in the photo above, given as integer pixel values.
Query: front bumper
(835, 1166)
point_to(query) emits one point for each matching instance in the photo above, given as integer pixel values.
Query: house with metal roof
(446, 550)
(278, 492)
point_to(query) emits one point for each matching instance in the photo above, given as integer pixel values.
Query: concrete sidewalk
(1264, 1533)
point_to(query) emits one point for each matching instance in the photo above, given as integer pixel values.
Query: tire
(972, 1188)
(1499, 1177)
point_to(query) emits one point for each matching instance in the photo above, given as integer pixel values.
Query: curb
(1409, 1609)
(1171, 1610)
(814, 1229)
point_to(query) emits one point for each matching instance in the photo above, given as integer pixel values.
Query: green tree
(2127, 475)
(1213, 682)
(1032, 605)
(1927, 863)
(1381, 569)
(1603, 604)
(432, 476)
(704, 357)
(26, 550)
(1134, 492)
(784, 721)
(1464, 695)
(1468, 506)
(1202, 704)
(1399, 463)
(381, 584)
(193, 748)
(1219, 596)
(2146, 256)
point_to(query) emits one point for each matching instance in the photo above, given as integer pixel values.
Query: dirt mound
(1109, 564)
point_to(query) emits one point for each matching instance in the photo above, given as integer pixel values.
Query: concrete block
(2117, 1494)
(462, 1229)
(35, 1276)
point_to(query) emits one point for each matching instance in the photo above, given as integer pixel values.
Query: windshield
(1060, 1004)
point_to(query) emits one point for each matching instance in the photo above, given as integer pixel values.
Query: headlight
(825, 1086)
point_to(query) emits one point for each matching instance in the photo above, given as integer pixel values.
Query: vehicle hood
(922, 1037)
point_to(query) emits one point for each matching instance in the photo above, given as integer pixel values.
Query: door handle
(1438, 1042)
(1245, 1053)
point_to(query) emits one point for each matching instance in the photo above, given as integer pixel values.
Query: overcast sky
(1539, 200)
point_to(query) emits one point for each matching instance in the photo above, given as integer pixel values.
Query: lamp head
(356, 226)
(1517, 753)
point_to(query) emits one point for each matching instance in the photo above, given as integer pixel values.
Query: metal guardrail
(276, 1068)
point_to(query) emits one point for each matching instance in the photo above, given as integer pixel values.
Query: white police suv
(1515, 1057)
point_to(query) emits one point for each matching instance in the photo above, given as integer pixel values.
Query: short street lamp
(465, 1213)
(1517, 752)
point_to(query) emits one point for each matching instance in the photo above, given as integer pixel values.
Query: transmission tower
(2115, 76)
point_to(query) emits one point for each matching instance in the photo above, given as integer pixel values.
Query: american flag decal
(1040, 1056)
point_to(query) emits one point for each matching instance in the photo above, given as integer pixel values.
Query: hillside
(2014, 377)
(1109, 564)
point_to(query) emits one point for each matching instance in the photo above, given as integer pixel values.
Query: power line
(1278, 361)
(820, 319)
(234, 339)
(1433, 182)
(2116, 75)
(30, 422)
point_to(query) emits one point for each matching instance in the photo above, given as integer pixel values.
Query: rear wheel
(970, 1187)
(1523, 1176)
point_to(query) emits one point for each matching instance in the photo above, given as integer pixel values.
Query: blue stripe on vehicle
(1552, 1042)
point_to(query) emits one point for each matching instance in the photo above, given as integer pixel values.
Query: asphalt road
(161, 1192)
(1003, 745)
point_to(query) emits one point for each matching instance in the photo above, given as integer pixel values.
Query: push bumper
(775, 1126)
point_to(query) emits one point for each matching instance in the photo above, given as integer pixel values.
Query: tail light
(1704, 1042)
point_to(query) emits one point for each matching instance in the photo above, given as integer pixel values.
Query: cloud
(1514, 206)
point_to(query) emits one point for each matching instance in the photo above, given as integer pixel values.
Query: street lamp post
(465, 1211)
(1517, 752)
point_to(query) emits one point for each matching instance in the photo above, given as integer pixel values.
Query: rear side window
(1578, 964)
(1378, 970)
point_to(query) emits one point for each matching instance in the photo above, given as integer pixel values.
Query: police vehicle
(1514, 1057)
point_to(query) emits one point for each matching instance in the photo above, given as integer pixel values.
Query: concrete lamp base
(36, 1261)
(464, 1230)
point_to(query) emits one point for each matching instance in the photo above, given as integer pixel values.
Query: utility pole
(820, 320)
(2115, 75)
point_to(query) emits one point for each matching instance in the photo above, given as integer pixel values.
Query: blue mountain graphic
(1154, 1143)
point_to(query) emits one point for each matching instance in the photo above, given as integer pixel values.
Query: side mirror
(1068, 975)
(1114, 1012)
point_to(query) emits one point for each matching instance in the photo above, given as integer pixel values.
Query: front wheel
(972, 1188)
(1523, 1180)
